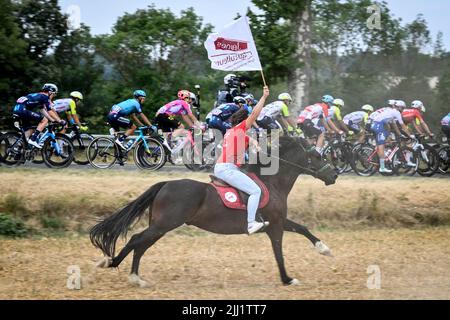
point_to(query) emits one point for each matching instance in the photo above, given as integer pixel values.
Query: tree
(13, 59)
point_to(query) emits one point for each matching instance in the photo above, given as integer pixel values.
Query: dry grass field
(401, 225)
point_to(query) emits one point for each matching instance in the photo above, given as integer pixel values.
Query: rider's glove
(62, 123)
(290, 128)
(350, 133)
(299, 131)
(84, 129)
(412, 136)
(341, 133)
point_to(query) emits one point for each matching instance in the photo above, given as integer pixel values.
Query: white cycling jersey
(386, 115)
(355, 117)
(313, 112)
(273, 110)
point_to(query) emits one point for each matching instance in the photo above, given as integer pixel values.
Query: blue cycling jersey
(225, 111)
(126, 108)
(33, 101)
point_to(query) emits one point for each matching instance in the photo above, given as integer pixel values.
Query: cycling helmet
(76, 95)
(50, 87)
(183, 94)
(193, 97)
(367, 107)
(239, 100)
(327, 99)
(417, 104)
(139, 93)
(338, 103)
(249, 97)
(400, 104)
(228, 78)
(391, 102)
(285, 96)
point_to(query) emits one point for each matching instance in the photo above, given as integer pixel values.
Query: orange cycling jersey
(410, 115)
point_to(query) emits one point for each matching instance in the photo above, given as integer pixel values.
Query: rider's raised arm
(258, 108)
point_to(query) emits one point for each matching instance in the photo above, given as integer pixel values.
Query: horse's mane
(287, 146)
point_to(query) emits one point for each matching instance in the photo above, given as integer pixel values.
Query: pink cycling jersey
(176, 108)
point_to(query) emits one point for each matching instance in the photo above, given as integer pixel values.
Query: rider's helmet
(183, 94)
(339, 103)
(328, 99)
(250, 99)
(391, 102)
(139, 93)
(285, 96)
(417, 104)
(76, 95)
(400, 104)
(367, 108)
(228, 78)
(239, 100)
(50, 87)
(193, 97)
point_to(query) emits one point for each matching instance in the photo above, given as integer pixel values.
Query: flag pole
(264, 79)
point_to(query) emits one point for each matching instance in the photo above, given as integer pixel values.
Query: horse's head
(307, 160)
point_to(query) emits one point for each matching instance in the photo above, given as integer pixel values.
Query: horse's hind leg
(320, 247)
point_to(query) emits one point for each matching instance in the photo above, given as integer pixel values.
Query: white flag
(233, 48)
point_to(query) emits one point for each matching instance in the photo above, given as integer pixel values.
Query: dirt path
(414, 264)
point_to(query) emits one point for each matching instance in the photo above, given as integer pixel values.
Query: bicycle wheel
(444, 159)
(11, 149)
(102, 153)
(58, 152)
(80, 145)
(192, 156)
(400, 161)
(364, 161)
(428, 161)
(152, 157)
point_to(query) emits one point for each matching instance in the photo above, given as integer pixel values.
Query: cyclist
(250, 100)
(219, 118)
(43, 101)
(234, 147)
(445, 126)
(278, 109)
(415, 117)
(357, 121)
(382, 118)
(314, 116)
(131, 107)
(165, 117)
(69, 106)
(226, 95)
(335, 113)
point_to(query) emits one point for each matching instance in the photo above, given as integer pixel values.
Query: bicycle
(366, 160)
(56, 152)
(80, 142)
(427, 155)
(149, 153)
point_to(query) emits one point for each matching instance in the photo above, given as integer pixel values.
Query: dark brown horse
(172, 204)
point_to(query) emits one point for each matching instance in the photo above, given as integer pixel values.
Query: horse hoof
(135, 280)
(323, 249)
(294, 282)
(104, 263)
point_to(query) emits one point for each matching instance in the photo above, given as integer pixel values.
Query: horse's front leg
(275, 233)
(320, 247)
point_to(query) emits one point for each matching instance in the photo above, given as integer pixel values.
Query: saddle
(236, 199)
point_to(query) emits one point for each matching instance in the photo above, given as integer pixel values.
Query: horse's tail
(104, 235)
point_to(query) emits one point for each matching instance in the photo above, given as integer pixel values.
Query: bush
(12, 227)
(15, 204)
(51, 222)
